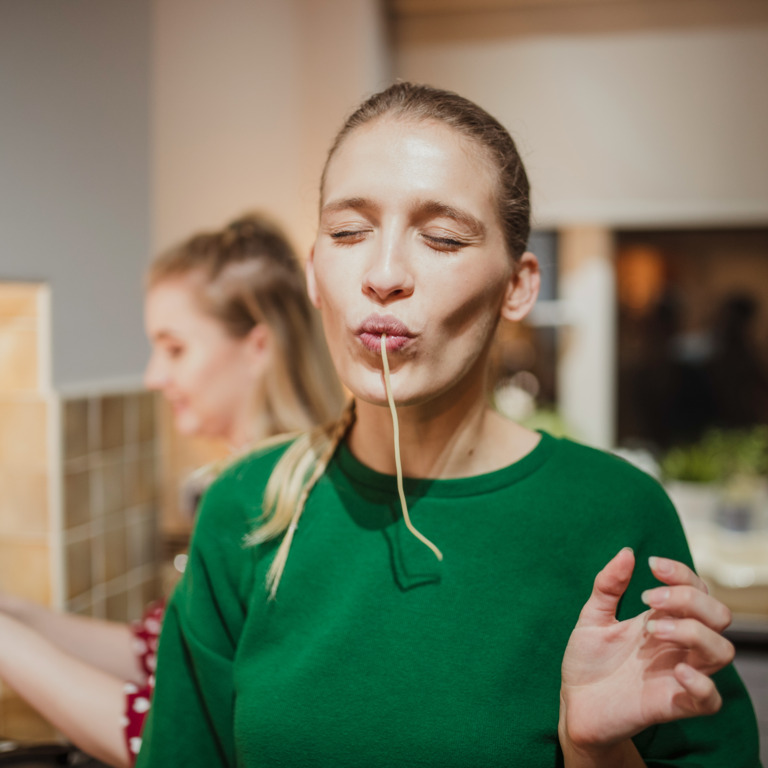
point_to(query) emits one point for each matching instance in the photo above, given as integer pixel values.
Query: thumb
(610, 585)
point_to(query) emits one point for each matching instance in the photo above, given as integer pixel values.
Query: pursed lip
(176, 403)
(370, 330)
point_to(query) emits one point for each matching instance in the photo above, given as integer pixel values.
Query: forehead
(397, 154)
(175, 301)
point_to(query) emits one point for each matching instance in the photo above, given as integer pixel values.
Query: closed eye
(443, 243)
(347, 236)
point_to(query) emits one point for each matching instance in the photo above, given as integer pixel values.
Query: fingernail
(660, 565)
(660, 627)
(655, 597)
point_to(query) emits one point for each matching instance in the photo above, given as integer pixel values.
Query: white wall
(247, 95)
(651, 126)
(74, 175)
(345, 56)
(225, 121)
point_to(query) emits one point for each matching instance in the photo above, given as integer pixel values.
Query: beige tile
(23, 438)
(141, 481)
(143, 545)
(113, 490)
(146, 482)
(19, 299)
(133, 535)
(25, 568)
(98, 609)
(117, 607)
(115, 550)
(131, 479)
(75, 428)
(147, 403)
(98, 575)
(135, 602)
(131, 419)
(112, 409)
(77, 562)
(77, 498)
(82, 605)
(18, 356)
(151, 591)
(20, 721)
(23, 502)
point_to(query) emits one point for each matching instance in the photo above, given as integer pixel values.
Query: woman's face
(410, 244)
(207, 376)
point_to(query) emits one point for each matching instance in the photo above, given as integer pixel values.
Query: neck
(252, 425)
(458, 435)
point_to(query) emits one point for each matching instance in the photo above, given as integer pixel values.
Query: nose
(389, 275)
(155, 376)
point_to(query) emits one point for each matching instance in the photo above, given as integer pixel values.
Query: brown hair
(247, 273)
(423, 102)
(305, 462)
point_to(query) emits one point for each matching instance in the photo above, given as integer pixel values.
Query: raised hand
(621, 677)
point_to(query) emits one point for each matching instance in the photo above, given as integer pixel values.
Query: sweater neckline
(360, 474)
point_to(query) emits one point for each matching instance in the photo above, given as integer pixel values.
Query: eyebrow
(423, 209)
(164, 335)
(436, 208)
(348, 203)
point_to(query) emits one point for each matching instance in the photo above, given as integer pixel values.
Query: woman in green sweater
(516, 600)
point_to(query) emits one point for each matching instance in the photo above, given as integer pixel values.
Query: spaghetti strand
(398, 465)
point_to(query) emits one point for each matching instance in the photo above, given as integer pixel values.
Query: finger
(610, 584)
(704, 697)
(708, 650)
(689, 602)
(675, 572)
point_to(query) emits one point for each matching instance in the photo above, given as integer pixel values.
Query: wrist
(582, 756)
(581, 750)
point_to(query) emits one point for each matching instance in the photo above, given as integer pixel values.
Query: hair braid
(289, 486)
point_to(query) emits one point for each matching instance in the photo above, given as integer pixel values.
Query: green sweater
(375, 654)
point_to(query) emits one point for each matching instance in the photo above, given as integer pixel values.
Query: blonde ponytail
(289, 486)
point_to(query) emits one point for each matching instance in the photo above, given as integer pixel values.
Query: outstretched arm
(106, 645)
(84, 703)
(619, 678)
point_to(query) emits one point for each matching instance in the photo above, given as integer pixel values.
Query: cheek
(330, 303)
(471, 306)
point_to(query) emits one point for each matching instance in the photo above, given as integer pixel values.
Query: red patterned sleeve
(146, 634)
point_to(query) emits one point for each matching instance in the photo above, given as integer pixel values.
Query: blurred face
(409, 244)
(207, 376)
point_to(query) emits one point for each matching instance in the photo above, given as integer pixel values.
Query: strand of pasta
(398, 466)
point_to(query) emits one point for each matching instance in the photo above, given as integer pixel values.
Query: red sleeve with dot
(146, 634)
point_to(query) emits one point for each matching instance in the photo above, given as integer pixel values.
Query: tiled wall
(110, 505)
(79, 490)
(24, 455)
(25, 470)
(182, 455)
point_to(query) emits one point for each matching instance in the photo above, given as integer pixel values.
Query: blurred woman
(238, 354)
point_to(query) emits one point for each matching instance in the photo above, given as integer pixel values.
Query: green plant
(720, 456)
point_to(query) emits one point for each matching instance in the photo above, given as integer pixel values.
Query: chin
(373, 391)
(367, 386)
(187, 426)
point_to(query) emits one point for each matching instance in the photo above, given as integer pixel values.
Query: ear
(523, 288)
(259, 345)
(309, 269)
